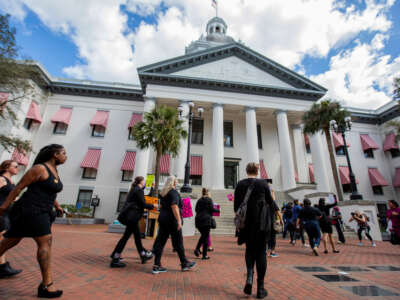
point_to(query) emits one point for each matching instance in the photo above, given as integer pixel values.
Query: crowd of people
(32, 214)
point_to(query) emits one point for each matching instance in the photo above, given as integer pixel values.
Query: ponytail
(137, 180)
(47, 153)
(205, 193)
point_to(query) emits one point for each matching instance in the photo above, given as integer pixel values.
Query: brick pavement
(81, 268)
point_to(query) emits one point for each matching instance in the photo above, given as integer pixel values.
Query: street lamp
(342, 128)
(95, 202)
(186, 188)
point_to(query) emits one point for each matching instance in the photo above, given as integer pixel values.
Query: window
(121, 200)
(395, 153)
(378, 190)
(89, 173)
(98, 131)
(28, 124)
(259, 137)
(197, 131)
(196, 179)
(346, 188)
(84, 198)
(369, 153)
(60, 128)
(340, 150)
(228, 133)
(127, 175)
(130, 134)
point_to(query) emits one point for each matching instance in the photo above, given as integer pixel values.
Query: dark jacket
(135, 204)
(166, 216)
(261, 192)
(204, 211)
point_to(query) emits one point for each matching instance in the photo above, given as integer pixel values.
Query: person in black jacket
(257, 230)
(170, 224)
(204, 211)
(134, 208)
(325, 223)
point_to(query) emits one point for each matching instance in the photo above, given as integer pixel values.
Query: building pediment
(231, 67)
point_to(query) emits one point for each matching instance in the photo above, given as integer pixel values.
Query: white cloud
(362, 76)
(284, 31)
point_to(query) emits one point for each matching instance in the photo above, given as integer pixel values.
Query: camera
(353, 214)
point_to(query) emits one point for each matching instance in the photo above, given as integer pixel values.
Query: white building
(253, 108)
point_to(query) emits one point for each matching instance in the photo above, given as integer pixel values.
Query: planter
(79, 221)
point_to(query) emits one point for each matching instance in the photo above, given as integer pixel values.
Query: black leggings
(272, 241)
(164, 231)
(203, 240)
(361, 229)
(130, 229)
(257, 254)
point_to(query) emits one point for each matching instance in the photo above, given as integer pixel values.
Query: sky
(350, 47)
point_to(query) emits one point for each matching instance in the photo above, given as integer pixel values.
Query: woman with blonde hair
(204, 211)
(170, 224)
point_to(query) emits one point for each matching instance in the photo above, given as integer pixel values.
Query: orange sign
(151, 200)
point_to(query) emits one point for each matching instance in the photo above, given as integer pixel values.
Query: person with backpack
(255, 210)
(362, 223)
(130, 215)
(309, 216)
(296, 232)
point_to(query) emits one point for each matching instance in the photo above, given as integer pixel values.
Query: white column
(319, 163)
(142, 156)
(251, 135)
(217, 148)
(180, 160)
(300, 153)
(285, 148)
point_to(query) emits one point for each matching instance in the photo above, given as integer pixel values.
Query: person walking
(258, 226)
(8, 169)
(338, 223)
(309, 216)
(393, 215)
(204, 210)
(295, 231)
(277, 215)
(170, 224)
(32, 215)
(362, 224)
(287, 215)
(325, 224)
(133, 211)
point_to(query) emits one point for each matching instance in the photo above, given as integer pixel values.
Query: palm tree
(318, 118)
(161, 130)
(396, 91)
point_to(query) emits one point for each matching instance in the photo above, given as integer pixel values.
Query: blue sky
(343, 45)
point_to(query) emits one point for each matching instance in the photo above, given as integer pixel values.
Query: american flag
(214, 3)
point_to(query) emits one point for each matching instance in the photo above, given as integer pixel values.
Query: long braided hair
(46, 153)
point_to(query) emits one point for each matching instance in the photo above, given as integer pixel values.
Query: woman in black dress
(32, 214)
(133, 210)
(204, 211)
(170, 224)
(325, 223)
(8, 168)
(254, 234)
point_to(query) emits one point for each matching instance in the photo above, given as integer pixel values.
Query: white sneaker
(373, 245)
(360, 244)
(306, 246)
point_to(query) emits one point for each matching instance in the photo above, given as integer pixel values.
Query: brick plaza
(80, 264)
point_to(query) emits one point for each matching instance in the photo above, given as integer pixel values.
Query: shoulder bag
(240, 217)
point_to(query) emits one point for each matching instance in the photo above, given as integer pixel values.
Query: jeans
(313, 232)
(361, 229)
(203, 240)
(339, 230)
(164, 231)
(130, 229)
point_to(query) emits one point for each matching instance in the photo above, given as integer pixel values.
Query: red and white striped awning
(164, 164)
(367, 142)
(376, 177)
(263, 172)
(34, 113)
(91, 159)
(338, 140)
(396, 180)
(63, 115)
(390, 142)
(311, 172)
(196, 165)
(100, 118)
(20, 157)
(3, 100)
(136, 118)
(129, 161)
(344, 174)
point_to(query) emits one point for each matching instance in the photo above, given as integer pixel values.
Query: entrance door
(231, 174)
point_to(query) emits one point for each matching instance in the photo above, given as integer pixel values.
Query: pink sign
(187, 211)
(230, 197)
(217, 214)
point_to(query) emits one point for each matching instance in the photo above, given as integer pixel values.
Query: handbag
(240, 217)
(213, 223)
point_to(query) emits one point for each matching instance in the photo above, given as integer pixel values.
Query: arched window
(217, 29)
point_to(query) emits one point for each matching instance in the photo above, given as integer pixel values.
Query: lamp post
(186, 188)
(95, 202)
(342, 128)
